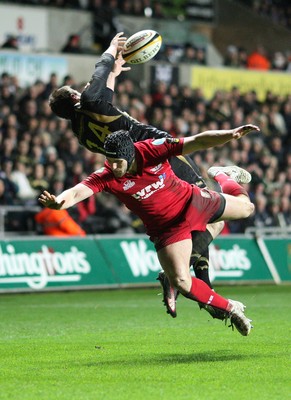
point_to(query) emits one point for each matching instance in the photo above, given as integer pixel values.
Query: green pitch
(122, 345)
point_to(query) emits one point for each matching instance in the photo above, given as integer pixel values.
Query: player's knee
(248, 209)
(215, 228)
(181, 282)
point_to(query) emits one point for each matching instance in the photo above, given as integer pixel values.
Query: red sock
(201, 292)
(229, 186)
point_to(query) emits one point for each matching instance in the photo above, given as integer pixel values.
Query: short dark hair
(60, 102)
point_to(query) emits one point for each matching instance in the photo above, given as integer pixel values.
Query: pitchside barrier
(44, 263)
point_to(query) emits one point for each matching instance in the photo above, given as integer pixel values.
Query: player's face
(118, 166)
(75, 95)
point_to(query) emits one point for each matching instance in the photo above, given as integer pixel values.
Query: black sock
(201, 268)
(200, 255)
(200, 241)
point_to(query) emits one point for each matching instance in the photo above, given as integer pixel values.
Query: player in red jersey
(141, 177)
(94, 117)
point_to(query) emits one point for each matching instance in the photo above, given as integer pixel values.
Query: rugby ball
(142, 46)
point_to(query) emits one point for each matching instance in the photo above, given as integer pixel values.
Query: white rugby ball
(142, 46)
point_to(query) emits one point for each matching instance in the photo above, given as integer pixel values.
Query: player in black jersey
(93, 118)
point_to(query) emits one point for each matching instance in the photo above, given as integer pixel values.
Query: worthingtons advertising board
(45, 264)
(40, 264)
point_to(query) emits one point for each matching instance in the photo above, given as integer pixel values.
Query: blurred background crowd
(39, 151)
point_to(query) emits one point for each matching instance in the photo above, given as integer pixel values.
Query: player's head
(62, 101)
(119, 146)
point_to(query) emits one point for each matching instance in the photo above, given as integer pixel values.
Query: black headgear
(120, 145)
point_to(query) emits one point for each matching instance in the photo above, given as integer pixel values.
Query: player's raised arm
(117, 69)
(116, 44)
(213, 138)
(66, 199)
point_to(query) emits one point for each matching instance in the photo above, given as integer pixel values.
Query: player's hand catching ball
(118, 41)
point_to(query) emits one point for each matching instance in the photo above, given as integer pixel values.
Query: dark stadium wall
(236, 24)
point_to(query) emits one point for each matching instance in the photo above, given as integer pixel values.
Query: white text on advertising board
(37, 269)
(230, 263)
(141, 260)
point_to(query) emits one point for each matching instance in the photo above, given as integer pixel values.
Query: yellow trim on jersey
(183, 159)
(106, 119)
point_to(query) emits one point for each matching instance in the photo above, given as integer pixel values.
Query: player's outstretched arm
(117, 69)
(213, 138)
(66, 199)
(116, 44)
(104, 75)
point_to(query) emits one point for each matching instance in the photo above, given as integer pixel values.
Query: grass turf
(122, 345)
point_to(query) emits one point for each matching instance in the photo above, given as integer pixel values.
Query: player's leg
(238, 204)
(200, 250)
(186, 169)
(174, 259)
(200, 262)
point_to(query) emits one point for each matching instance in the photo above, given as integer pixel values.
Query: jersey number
(99, 131)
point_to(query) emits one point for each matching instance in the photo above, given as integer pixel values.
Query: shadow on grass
(156, 359)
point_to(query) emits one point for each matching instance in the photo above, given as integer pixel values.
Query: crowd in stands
(278, 11)
(39, 151)
(238, 57)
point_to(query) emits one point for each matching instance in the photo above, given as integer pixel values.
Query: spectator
(7, 98)
(51, 85)
(262, 217)
(231, 58)
(10, 43)
(55, 223)
(8, 187)
(242, 57)
(279, 61)
(38, 181)
(285, 211)
(19, 176)
(72, 45)
(258, 59)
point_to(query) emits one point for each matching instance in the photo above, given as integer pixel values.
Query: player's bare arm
(66, 199)
(213, 138)
(116, 44)
(117, 69)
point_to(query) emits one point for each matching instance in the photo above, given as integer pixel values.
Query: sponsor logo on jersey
(128, 184)
(172, 140)
(150, 189)
(157, 142)
(100, 170)
(156, 168)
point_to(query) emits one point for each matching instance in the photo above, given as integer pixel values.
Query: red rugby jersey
(155, 193)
